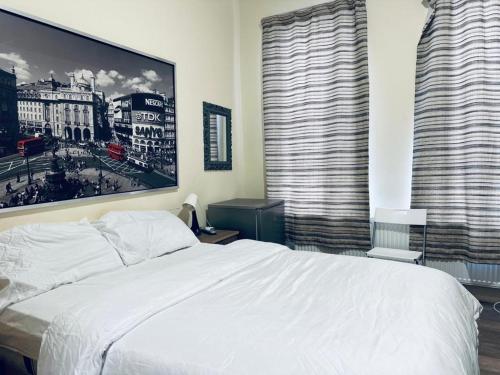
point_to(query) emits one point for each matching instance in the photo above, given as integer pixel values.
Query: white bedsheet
(282, 313)
(25, 322)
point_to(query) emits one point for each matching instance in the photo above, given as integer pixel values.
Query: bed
(247, 308)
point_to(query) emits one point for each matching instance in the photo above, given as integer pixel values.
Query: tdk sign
(148, 116)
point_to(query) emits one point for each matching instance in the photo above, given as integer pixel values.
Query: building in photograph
(9, 125)
(74, 111)
(110, 114)
(122, 120)
(139, 124)
(170, 125)
(170, 150)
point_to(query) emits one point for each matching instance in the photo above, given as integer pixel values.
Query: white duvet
(257, 308)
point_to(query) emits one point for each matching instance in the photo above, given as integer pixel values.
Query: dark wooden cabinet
(257, 219)
(222, 237)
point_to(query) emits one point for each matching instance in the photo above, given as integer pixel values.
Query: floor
(489, 330)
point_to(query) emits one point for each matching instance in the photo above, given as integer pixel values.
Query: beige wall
(394, 27)
(178, 30)
(220, 62)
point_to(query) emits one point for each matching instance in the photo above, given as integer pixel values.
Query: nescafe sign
(148, 102)
(154, 102)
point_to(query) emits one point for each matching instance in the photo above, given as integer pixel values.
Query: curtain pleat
(456, 154)
(315, 102)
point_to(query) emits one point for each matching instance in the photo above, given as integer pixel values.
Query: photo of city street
(80, 118)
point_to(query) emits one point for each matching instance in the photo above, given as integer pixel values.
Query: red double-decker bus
(30, 146)
(116, 152)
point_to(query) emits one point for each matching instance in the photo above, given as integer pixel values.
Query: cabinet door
(241, 220)
(271, 226)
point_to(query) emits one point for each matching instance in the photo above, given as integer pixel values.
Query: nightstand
(255, 219)
(222, 237)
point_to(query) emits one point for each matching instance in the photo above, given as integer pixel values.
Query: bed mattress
(22, 325)
(251, 308)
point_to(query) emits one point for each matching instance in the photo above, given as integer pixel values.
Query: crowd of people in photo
(74, 187)
(75, 184)
(30, 195)
(81, 165)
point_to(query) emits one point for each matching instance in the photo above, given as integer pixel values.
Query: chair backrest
(401, 216)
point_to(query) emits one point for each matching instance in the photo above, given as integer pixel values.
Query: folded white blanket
(77, 340)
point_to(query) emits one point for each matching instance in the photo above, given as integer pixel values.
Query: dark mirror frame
(211, 165)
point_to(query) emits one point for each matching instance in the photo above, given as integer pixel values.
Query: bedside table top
(220, 236)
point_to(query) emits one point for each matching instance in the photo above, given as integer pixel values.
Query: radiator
(397, 236)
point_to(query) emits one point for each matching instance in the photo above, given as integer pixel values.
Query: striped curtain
(456, 162)
(315, 98)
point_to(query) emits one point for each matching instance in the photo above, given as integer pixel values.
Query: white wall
(220, 62)
(394, 27)
(182, 31)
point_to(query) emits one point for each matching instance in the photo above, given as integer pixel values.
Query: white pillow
(141, 235)
(40, 257)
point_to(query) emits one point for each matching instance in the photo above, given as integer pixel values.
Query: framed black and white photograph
(80, 117)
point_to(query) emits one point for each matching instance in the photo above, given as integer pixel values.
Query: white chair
(416, 217)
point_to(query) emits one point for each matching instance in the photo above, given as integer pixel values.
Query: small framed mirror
(217, 137)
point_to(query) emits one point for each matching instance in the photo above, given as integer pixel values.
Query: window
(67, 115)
(85, 115)
(77, 114)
